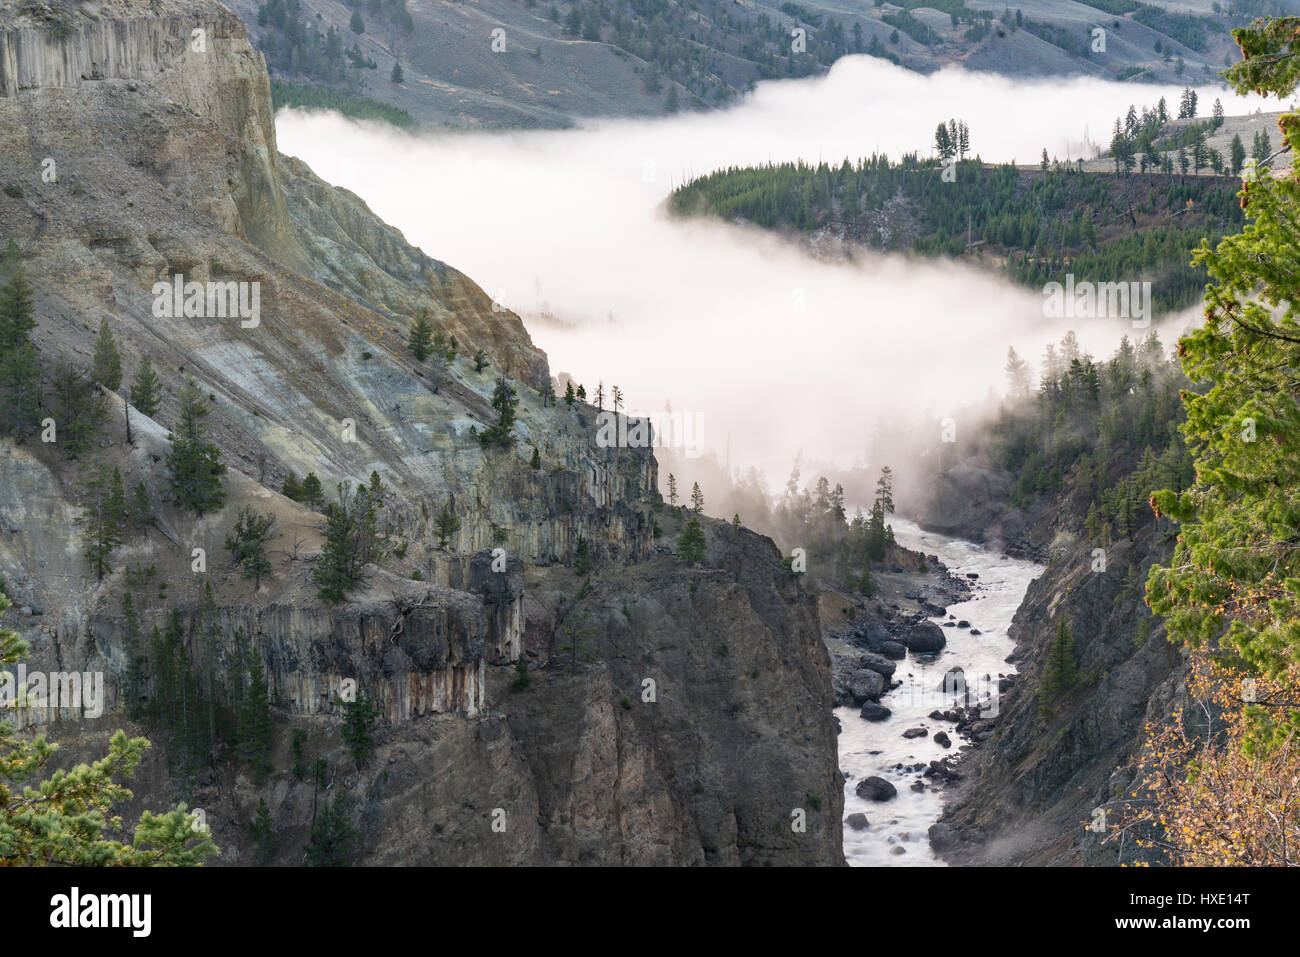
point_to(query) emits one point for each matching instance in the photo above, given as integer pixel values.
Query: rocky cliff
(1032, 791)
(135, 150)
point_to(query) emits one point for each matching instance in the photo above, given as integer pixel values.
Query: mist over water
(771, 349)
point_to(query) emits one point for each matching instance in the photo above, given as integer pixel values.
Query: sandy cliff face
(165, 164)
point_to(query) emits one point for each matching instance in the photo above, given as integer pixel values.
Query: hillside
(1036, 226)
(554, 62)
(519, 583)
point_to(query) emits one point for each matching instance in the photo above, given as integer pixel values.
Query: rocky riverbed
(917, 679)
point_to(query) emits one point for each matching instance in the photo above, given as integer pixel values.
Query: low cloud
(771, 348)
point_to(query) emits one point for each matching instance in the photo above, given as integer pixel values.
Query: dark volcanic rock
(876, 789)
(954, 680)
(866, 685)
(925, 636)
(893, 649)
(942, 837)
(878, 663)
(858, 821)
(915, 733)
(941, 738)
(874, 712)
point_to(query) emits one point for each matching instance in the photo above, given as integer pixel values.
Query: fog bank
(772, 350)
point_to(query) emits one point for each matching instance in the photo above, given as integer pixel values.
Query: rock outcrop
(1031, 789)
(131, 157)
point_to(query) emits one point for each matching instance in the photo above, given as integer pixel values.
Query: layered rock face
(132, 158)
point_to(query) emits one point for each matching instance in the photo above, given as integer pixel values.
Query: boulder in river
(872, 634)
(954, 681)
(874, 712)
(876, 789)
(866, 685)
(942, 837)
(893, 649)
(941, 738)
(925, 636)
(878, 663)
(857, 821)
(915, 733)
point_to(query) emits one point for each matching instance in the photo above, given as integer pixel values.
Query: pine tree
(582, 556)
(133, 684)
(105, 513)
(691, 543)
(350, 539)
(536, 461)
(582, 393)
(1261, 147)
(331, 569)
(866, 583)
(504, 401)
(357, 731)
(885, 490)
(291, 488)
(397, 76)
(311, 493)
(1017, 370)
(357, 25)
(146, 390)
(672, 490)
(480, 360)
(264, 846)
(569, 394)
(79, 409)
(943, 144)
(20, 371)
(446, 524)
(420, 337)
(247, 544)
(206, 635)
(106, 367)
(17, 313)
(332, 835)
(697, 499)
(1237, 154)
(254, 720)
(1061, 670)
(193, 463)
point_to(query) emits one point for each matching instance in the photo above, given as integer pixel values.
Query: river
(876, 748)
